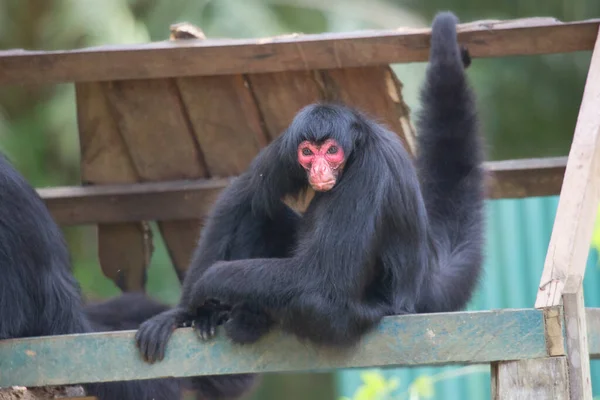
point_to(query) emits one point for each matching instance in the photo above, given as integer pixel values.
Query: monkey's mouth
(323, 186)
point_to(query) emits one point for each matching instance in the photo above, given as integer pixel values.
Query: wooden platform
(163, 128)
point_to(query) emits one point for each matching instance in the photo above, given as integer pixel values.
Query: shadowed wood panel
(375, 91)
(280, 95)
(124, 250)
(225, 121)
(433, 339)
(154, 123)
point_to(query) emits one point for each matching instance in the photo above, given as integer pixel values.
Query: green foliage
(596, 234)
(422, 388)
(376, 387)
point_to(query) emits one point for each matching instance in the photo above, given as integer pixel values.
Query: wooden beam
(572, 232)
(289, 53)
(526, 177)
(568, 250)
(172, 200)
(180, 200)
(436, 339)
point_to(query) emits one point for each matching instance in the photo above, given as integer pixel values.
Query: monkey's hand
(153, 335)
(208, 317)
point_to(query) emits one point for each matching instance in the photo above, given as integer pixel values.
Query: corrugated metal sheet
(518, 233)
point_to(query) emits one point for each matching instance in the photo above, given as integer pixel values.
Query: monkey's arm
(333, 258)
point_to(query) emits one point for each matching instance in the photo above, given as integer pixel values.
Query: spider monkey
(382, 235)
(40, 297)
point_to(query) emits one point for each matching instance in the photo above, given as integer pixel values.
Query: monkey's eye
(332, 150)
(306, 151)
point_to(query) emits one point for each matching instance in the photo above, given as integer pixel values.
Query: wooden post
(538, 379)
(571, 235)
(572, 232)
(580, 385)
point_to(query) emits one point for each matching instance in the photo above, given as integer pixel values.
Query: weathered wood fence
(164, 126)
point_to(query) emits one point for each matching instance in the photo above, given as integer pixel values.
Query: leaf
(374, 380)
(423, 387)
(365, 393)
(596, 234)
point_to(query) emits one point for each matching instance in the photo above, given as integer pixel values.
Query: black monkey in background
(380, 237)
(39, 296)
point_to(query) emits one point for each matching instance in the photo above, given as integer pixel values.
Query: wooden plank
(436, 339)
(593, 331)
(152, 201)
(124, 250)
(155, 125)
(375, 91)
(188, 199)
(280, 95)
(289, 53)
(572, 232)
(225, 120)
(553, 324)
(525, 177)
(541, 379)
(578, 355)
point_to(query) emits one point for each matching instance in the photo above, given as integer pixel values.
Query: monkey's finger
(142, 341)
(150, 343)
(138, 335)
(206, 327)
(197, 325)
(163, 337)
(218, 318)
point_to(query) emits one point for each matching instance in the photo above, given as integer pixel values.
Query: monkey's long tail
(450, 171)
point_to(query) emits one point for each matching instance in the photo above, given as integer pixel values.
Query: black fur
(388, 239)
(39, 295)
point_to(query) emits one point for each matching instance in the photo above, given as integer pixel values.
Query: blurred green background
(529, 105)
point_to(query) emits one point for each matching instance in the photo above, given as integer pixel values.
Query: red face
(323, 163)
